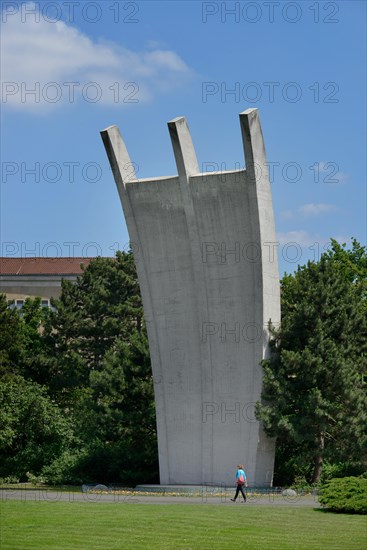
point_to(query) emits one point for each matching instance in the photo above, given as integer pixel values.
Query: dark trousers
(240, 488)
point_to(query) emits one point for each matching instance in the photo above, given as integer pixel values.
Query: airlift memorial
(209, 280)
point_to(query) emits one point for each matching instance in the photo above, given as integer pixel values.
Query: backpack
(241, 480)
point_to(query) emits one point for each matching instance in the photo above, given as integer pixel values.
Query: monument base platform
(201, 489)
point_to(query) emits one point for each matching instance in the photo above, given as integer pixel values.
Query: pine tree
(314, 395)
(102, 371)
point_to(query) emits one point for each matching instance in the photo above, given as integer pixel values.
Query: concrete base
(178, 488)
(201, 489)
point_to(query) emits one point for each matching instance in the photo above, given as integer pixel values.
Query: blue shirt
(239, 472)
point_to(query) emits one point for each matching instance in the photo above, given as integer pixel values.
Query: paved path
(45, 495)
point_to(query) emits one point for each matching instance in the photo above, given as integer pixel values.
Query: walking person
(241, 481)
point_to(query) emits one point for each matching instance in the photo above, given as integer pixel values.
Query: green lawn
(69, 526)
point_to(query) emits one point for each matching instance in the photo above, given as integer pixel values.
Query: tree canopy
(89, 358)
(314, 392)
(76, 391)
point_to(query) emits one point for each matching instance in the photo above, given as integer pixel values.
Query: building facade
(22, 278)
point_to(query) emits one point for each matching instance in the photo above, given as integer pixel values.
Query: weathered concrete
(209, 279)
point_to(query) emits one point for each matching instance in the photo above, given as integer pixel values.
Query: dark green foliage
(103, 305)
(33, 429)
(314, 394)
(103, 374)
(292, 469)
(347, 494)
(76, 392)
(65, 468)
(341, 469)
(353, 265)
(36, 350)
(91, 356)
(10, 337)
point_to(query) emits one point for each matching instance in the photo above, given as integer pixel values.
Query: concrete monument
(208, 272)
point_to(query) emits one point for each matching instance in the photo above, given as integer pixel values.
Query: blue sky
(140, 64)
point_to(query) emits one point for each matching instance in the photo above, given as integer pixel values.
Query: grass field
(69, 526)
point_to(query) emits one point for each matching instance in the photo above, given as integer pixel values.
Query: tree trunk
(318, 463)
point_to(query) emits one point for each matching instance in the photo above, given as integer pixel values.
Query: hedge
(346, 494)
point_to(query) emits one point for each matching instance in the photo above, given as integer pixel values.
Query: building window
(18, 304)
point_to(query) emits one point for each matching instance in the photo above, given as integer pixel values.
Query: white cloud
(307, 210)
(37, 53)
(300, 237)
(307, 240)
(316, 209)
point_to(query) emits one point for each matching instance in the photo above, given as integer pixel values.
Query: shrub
(34, 430)
(347, 494)
(341, 469)
(9, 480)
(64, 469)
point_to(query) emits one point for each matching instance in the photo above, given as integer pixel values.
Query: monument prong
(183, 148)
(253, 144)
(121, 165)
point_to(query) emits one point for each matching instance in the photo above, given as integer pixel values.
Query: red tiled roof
(42, 266)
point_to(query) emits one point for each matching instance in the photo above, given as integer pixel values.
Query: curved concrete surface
(208, 273)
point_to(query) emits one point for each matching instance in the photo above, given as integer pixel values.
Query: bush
(341, 469)
(8, 480)
(101, 463)
(64, 469)
(347, 494)
(34, 430)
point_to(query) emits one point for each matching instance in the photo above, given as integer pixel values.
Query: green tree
(10, 337)
(104, 304)
(352, 262)
(86, 365)
(314, 395)
(35, 352)
(33, 430)
(101, 369)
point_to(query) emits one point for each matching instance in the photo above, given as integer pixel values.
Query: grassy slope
(69, 526)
